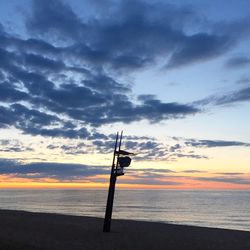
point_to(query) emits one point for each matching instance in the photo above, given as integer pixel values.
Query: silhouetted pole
(109, 207)
(118, 165)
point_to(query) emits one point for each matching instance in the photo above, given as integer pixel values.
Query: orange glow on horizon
(172, 182)
(92, 185)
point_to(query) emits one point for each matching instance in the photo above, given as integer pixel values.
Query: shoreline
(121, 219)
(29, 230)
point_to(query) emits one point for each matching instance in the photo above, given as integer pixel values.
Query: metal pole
(109, 207)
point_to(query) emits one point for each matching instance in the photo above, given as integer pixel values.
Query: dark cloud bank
(63, 172)
(58, 171)
(60, 81)
(66, 76)
(77, 173)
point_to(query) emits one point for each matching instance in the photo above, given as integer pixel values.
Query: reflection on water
(224, 209)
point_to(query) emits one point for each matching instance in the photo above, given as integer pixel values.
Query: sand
(25, 230)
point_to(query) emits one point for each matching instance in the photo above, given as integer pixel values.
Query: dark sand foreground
(24, 230)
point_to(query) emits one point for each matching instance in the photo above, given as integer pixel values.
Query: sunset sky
(173, 75)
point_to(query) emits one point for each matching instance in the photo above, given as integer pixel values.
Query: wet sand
(25, 230)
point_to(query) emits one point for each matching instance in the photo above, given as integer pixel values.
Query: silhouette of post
(116, 170)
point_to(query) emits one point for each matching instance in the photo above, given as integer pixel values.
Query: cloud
(175, 148)
(194, 156)
(145, 148)
(57, 132)
(13, 146)
(150, 176)
(34, 122)
(34, 61)
(7, 118)
(230, 173)
(9, 94)
(241, 95)
(226, 99)
(134, 35)
(238, 62)
(58, 171)
(67, 172)
(96, 100)
(243, 80)
(149, 181)
(150, 149)
(54, 17)
(152, 170)
(80, 173)
(1, 28)
(64, 78)
(231, 180)
(214, 143)
(200, 47)
(80, 148)
(191, 171)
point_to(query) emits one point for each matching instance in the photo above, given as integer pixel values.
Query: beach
(26, 230)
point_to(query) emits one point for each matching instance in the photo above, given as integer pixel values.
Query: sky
(173, 75)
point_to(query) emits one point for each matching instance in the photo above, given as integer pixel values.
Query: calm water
(222, 209)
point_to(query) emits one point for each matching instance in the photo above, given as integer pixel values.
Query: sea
(217, 209)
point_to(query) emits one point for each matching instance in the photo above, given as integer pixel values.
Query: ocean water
(219, 209)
